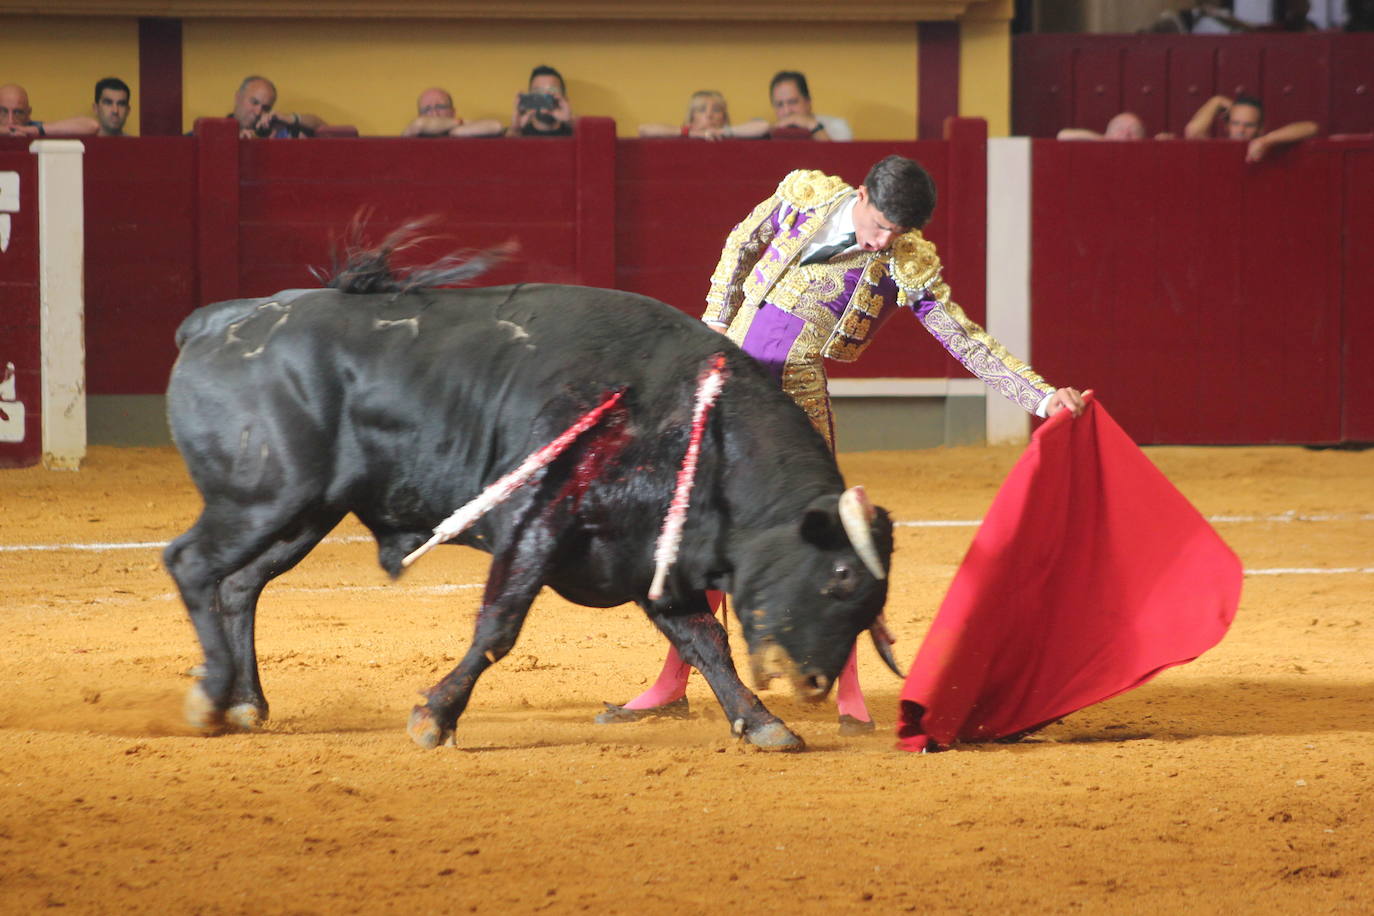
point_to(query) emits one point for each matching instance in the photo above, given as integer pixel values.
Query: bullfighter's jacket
(792, 316)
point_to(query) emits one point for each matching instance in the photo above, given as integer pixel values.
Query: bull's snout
(771, 660)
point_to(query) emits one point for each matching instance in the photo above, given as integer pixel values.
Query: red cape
(1089, 576)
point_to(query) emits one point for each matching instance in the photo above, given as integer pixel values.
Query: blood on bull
(399, 402)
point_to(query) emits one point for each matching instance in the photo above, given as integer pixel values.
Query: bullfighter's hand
(1065, 397)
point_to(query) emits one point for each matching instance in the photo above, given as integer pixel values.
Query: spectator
(1291, 16)
(1244, 116)
(15, 118)
(543, 111)
(1125, 126)
(438, 119)
(1359, 15)
(112, 98)
(708, 118)
(253, 109)
(791, 100)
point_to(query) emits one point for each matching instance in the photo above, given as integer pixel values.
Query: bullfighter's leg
(516, 576)
(668, 694)
(849, 697)
(701, 641)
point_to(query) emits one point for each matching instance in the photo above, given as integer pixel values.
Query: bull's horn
(883, 643)
(856, 513)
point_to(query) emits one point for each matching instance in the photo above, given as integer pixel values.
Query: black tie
(826, 252)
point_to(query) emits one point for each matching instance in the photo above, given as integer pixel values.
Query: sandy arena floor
(1243, 782)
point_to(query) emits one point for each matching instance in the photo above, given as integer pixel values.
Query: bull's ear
(820, 524)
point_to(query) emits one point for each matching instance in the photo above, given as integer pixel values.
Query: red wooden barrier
(1207, 300)
(21, 441)
(1357, 296)
(1082, 80)
(1201, 296)
(141, 256)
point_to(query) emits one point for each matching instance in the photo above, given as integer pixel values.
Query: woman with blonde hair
(708, 118)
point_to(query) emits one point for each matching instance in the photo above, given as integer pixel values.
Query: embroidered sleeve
(978, 350)
(916, 268)
(743, 248)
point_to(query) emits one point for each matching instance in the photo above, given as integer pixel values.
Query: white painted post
(62, 305)
(1008, 272)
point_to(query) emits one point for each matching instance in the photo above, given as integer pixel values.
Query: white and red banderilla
(710, 383)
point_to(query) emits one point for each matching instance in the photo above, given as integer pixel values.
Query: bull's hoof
(201, 712)
(245, 716)
(851, 727)
(774, 736)
(424, 730)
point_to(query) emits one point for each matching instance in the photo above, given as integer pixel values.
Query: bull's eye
(843, 580)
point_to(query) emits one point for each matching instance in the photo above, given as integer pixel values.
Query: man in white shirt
(791, 100)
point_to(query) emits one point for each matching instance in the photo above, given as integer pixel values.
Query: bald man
(1125, 126)
(15, 120)
(254, 109)
(437, 118)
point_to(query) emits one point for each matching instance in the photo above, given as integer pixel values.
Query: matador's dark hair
(902, 191)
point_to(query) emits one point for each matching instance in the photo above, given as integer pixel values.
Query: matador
(811, 274)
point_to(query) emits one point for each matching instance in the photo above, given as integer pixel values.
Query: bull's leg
(223, 606)
(516, 576)
(238, 607)
(701, 641)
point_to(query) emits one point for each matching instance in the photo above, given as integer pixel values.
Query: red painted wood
(594, 142)
(1145, 84)
(1097, 78)
(1352, 85)
(1357, 296)
(217, 209)
(1177, 294)
(1042, 86)
(1299, 77)
(159, 77)
(19, 308)
(140, 258)
(1238, 66)
(1192, 81)
(1297, 82)
(937, 77)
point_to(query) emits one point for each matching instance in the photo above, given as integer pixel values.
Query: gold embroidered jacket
(845, 301)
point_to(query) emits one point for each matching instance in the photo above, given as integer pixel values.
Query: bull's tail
(356, 267)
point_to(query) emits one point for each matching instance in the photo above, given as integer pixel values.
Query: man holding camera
(253, 105)
(543, 111)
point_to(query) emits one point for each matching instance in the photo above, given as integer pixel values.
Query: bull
(399, 404)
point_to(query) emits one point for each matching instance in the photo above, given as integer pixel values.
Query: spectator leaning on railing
(16, 120)
(708, 118)
(436, 117)
(1242, 118)
(253, 109)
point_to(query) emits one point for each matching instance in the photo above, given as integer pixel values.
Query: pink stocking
(849, 696)
(672, 680)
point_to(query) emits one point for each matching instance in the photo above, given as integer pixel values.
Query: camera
(537, 101)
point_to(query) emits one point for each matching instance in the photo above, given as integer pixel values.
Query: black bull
(293, 411)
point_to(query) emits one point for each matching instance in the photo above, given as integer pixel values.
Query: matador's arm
(743, 248)
(916, 268)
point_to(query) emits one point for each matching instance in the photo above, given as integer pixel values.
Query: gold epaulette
(807, 189)
(915, 264)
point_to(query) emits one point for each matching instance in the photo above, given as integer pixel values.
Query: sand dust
(1243, 782)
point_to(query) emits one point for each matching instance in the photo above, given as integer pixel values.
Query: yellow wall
(368, 74)
(985, 74)
(59, 59)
